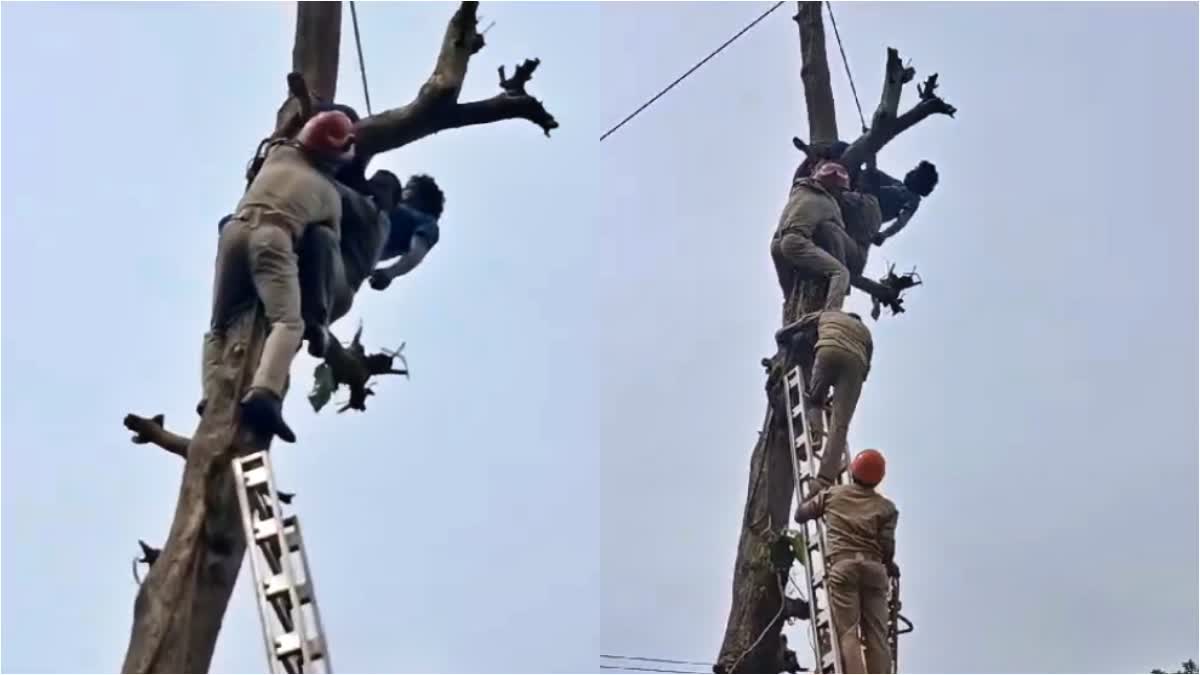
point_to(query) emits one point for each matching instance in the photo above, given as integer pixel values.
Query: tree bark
(814, 73)
(181, 603)
(752, 641)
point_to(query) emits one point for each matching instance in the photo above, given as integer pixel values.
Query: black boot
(318, 339)
(263, 411)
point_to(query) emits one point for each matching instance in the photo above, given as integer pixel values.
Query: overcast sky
(565, 473)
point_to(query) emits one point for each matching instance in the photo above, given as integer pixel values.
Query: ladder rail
(239, 476)
(795, 379)
(312, 592)
(272, 539)
(299, 625)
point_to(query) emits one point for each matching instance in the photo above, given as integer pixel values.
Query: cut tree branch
(886, 125)
(151, 430)
(436, 107)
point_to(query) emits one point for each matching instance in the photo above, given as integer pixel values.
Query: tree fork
(181, 603)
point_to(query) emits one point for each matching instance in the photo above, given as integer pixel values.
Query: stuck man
(860, 527)
(256, 258)
(389, 221)
(843, 358)
(812, 204)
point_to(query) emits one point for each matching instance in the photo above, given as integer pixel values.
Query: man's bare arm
(418, 249)
(901, 221)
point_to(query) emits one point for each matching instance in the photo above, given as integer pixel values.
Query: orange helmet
(329, 133)
(868, 467)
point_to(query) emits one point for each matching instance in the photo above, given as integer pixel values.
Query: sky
(564, 474)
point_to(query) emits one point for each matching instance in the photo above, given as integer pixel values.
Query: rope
(691, 70)
(362, 66)
(763, 634)
(862, 120)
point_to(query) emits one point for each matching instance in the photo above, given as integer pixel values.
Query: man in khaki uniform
(812, 204)
(843, 360)
(256, 258)
(860, 530)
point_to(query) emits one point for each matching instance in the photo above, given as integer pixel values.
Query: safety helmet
(329, 134)
(868, 467)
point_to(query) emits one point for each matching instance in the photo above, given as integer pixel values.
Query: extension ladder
(294, 639)
(823, 633)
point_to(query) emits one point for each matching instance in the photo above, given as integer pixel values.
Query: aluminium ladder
(822, 632)
(293, 637)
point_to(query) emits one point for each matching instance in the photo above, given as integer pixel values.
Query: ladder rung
(288, 644)
(277, 585)
(256, 479)
(268, 530)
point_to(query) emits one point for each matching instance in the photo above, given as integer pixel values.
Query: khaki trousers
(844, 372)
(796, 257)
(256, 261)
(858, 598)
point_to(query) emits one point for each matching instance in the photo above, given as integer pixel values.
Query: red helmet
(868, 467)
(328, 133)
(832, 174)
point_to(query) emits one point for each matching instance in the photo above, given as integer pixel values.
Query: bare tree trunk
(814, 73)
(182, 601)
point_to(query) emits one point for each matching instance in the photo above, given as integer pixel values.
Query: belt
(857, 555)
(257, 216)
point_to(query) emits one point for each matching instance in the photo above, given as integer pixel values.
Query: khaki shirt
(290, 190)
(809, 205)
(857, 520)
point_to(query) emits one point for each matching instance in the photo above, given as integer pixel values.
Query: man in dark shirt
(414, 229)
(899, 200)
(386, 222)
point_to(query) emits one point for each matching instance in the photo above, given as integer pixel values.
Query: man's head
(323, 106)
(385, 187)
(422, 193)
(922, 179)
(817, 153)
(329, 135)
(832, 175)
(867, 468)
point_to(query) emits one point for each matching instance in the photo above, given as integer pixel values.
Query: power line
(862, 120)
(647, 669)
(691, 70)
(362, 66)
(655, 660)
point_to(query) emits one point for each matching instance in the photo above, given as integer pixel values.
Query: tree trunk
(182, 600)
(814, 73)
(181, 604)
